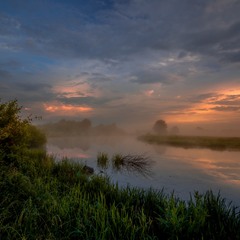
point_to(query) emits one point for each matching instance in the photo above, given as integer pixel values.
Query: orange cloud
(219, 107)
(73, 89)
(63, 108)
(149, 93)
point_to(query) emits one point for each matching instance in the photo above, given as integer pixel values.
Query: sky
(131, 62)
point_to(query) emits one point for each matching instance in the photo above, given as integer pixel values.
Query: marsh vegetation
(139, 164)
(217, 143)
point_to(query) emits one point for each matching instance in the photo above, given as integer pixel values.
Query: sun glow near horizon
(66, 108)
(221, 106)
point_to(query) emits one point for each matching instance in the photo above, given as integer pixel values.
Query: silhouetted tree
(160, 127)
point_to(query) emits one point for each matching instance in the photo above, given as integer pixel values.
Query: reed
(133, 163)
(102, 160)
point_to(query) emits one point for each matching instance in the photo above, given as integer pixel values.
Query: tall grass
(102, 160)
(44, 199)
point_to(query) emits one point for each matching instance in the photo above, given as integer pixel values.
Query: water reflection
(223, 165)
(178, 169)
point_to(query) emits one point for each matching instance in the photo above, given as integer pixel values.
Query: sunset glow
(60, 108)
(218, 168)
(220, 106)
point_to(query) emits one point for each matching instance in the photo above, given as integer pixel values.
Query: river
(174, 169)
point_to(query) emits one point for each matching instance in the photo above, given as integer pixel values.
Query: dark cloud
(10, 64)
(92, 101)
(227, 103)
(220, 43)
(202, 97)
(232, 57)
(123, 29)
(226, 108)
(26, 86)
(97, 77)
(182, 54)
(151, 76)
(228, 100)
(26, 92)
(5, 75)
(8, 25)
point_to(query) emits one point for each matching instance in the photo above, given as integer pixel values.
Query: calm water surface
(174, 169)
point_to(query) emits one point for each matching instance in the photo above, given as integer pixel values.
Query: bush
(16, 134)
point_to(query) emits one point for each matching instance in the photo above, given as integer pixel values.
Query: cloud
(8, 25)
(40, 87)
(228, 99)
(204, 97)
(10, 64)
(112, 54)
(99, 77)
(122, 29)
(63, 109)
(226, 108)
(233, 57)
(92, 101)
(5, 75)
(151, 76)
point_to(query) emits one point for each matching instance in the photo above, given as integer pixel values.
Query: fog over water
(174, 169)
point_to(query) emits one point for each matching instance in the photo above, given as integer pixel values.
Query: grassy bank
(44, 199)
(218, 143)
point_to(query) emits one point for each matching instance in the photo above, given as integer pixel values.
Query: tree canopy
(16, 133)
(160, 127)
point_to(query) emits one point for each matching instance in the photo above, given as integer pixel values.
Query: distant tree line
(160, 127)
(80, 128)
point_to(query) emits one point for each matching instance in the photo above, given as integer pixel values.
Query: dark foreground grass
(218, 143)
(44, 199)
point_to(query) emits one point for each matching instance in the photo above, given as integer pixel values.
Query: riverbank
(216, 143)
(44, 199)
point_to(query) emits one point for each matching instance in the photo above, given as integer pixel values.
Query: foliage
(160, 127)
(44, 199)
(35, 137)
(16, 134)
(12, 128)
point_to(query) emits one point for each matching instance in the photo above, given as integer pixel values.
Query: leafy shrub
(16, 134)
